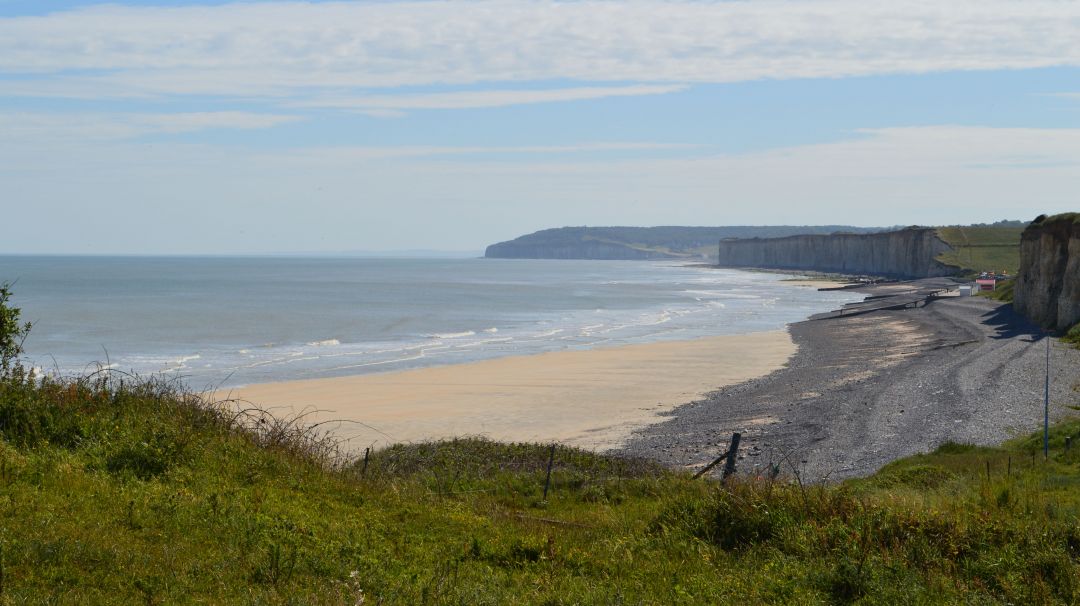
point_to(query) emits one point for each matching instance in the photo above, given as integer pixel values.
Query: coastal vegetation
(115, 489)
(13, 332)
(979, 248)
(1060, 217)
(1005, 291)
(1072, 336)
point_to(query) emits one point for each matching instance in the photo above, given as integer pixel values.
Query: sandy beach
(588, 398)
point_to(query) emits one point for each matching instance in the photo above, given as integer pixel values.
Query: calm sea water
(235, 321)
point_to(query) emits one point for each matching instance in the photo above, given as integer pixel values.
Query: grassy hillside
(982, 248)
(121, 491)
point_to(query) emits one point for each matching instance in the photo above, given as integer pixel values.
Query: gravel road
(867, 389)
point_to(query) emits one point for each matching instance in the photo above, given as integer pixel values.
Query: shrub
(12, 333)
(1073, 335)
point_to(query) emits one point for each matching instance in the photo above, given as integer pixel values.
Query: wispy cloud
(278, 49)
(396, 105)
(882, 176)
(350, 154)
(81, 127)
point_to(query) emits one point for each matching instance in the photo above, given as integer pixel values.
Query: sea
(221, 322)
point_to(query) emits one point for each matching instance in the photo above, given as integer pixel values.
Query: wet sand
(816, 283)
(588, 398)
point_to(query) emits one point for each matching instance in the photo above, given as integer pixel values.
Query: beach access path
(866, 389)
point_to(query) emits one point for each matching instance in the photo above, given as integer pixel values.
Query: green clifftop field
(118, 491)
(982, 248)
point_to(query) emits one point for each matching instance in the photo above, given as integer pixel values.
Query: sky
(176, 127)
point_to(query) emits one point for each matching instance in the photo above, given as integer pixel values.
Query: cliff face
(1048, 285)
(907, 253)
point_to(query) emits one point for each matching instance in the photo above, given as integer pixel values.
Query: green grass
(138, 492)
(978, 249)
(1072, 336)
(1005, 291)
(1073, 217)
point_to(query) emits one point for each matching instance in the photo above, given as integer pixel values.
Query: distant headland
(897, 252)
(638, 243)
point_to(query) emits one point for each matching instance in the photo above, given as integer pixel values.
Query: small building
(986, 283)
(966, 290)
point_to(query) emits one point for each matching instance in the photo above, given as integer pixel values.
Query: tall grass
(121, 490)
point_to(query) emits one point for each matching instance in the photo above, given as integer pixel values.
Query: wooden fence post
(367, 451)
(733, 451)
(547, 481)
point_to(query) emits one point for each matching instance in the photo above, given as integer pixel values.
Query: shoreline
(864, 390)
(797, 275)
(591, 398)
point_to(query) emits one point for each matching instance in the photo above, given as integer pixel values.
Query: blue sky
(215, 127)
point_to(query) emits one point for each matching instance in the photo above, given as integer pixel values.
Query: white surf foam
(453, 335)
(325, 343)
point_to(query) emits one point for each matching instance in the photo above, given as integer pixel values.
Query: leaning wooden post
(733, 451)
(547, 481)
(704, 470)
(367, 451)
(728, 456)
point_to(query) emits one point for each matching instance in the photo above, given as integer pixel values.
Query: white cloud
(212, 199)
(347, 155)
(45, 127)
(395, 105)
(282, 48)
